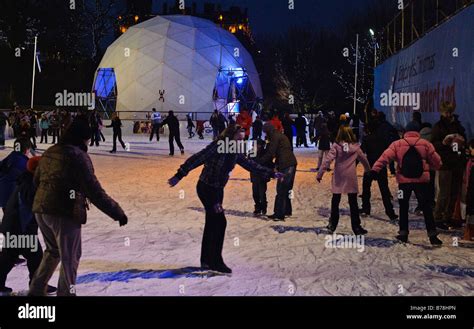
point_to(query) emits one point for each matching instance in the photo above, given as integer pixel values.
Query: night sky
(274, 17)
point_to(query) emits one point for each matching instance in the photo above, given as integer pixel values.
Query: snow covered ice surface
(157, 253)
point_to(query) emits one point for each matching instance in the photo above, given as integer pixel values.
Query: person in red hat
(19, 221)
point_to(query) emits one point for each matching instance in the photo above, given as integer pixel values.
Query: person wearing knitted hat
(448, 137)
(65, 182)
(19, 221)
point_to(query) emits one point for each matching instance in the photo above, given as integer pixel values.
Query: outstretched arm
(332, 154)
(387, 156)
(193, 162)
(254, 167)
(91, 187)
(363, 159)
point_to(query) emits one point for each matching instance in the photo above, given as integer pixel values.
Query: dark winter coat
(10, 169)
(324, 139)
(300, 124)
(318, 122)
(190, 123)
(214, 121)
(222, 122)
(115, 124)
(218, 165)
(288, 127)
(95, 121)
(65, 178)
(279, 148)
(3, 120)
(54, 121)
(332, 127)
(173, 124)
(387, 133)
(441, 129)
(257, 127)
(18, 217)
(254, 177)
(373, 146)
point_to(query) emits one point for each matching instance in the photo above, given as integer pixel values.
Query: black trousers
(422, 191)
(470, 195)
(301, 139)
(391, 165)
(257, 134)
(355, 218)
(215, 226)
(8, 257)
(177, 138)
(95, 137)
(290, 138)
(155, 128)
(283, 201)
(33, 142)
(55, 133)
(259, 191)
(117, 134)
(44, 134)
(382, 180)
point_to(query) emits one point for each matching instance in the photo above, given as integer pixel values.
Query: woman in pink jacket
(414, 176)
(344, 181)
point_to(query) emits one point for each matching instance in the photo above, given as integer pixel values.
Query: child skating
(345, 152)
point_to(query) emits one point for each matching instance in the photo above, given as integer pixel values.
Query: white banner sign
(438, 67)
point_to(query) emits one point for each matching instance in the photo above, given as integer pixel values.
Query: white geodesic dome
(181, 55)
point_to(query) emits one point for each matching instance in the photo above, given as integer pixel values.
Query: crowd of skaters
(441, 152)
(422, 156)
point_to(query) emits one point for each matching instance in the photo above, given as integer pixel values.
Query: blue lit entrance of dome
(233, 90)
(105, 89)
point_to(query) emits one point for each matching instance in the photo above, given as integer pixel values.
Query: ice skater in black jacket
(173, 125)
(210, 188)
(259, 182)
(191, 126)
(116, 125)
(374, 145)
(19, 221)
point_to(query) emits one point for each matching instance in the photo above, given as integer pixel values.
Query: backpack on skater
(412, 162)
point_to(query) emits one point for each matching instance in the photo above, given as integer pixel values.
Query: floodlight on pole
(356, 73)
(374, 39)
(34, 71)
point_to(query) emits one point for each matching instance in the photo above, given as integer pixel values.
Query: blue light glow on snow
(368, 241)
(128, 275)
(452, 270)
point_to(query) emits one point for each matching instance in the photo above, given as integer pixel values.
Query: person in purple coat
(346, 151)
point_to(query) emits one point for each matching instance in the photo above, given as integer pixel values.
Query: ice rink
(157, 253)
